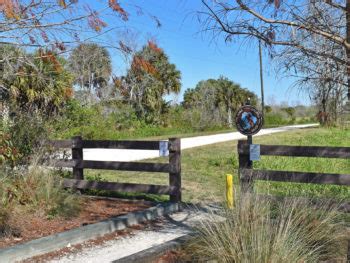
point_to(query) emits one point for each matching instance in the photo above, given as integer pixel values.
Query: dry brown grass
(34, 189)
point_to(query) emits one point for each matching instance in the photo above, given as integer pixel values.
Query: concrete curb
(151, 254)
(79, 235)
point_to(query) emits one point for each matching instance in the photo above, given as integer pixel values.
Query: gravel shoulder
(169, 228)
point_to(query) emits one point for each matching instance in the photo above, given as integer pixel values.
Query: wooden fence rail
(297, 151)
(77, 144)
(248, 174)
(296, 177)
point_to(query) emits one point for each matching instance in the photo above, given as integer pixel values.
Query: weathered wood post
(175, 169)
(348, 254)
(244, 163)
(77, 156)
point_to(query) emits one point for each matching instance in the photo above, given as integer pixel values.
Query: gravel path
(135, 155)
(171, 227)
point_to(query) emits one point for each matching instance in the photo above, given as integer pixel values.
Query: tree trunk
(229, 117)
(324, 107)
(5, 114)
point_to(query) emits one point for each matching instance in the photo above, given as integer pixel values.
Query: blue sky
(198, 57)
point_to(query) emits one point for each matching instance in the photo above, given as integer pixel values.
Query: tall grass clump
(40, 191)
(35, 190)
(259, 230)
(5, 208)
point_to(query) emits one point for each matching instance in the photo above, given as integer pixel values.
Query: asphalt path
(186, 143)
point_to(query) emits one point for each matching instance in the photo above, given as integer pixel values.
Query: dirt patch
(172, 256)
(29, 226)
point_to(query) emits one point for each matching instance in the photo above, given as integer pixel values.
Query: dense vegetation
(54, 97)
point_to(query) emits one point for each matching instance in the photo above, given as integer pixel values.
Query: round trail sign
(248, 120)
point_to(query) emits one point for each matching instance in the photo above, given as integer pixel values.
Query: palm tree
(150, 77)
(230, 95)
(92, 68)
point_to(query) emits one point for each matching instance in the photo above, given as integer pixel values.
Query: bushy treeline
(286, 115)
(215, 101)
(116, 120)
(49, 96)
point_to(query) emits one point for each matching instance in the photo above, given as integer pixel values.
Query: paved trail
(135, 155)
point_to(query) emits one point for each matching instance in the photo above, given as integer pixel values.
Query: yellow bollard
(229, 190)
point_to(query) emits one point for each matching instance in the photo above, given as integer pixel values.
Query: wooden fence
(248, 174)
(77, 144)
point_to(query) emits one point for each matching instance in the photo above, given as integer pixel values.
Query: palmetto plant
(38, 82)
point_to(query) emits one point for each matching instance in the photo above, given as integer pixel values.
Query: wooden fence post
(175, 169)
(348, 254)
(77, 155)
(244, 163)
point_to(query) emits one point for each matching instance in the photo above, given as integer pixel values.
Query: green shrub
(119, 121)
(24, 134)
(8, 152)
(275, 119)
(94, 122)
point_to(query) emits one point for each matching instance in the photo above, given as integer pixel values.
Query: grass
(258, 230)
(185, 134)
(107, 130)
(204, 168)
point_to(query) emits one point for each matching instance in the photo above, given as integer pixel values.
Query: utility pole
(262, 80)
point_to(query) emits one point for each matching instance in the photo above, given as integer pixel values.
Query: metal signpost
(249, 121)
